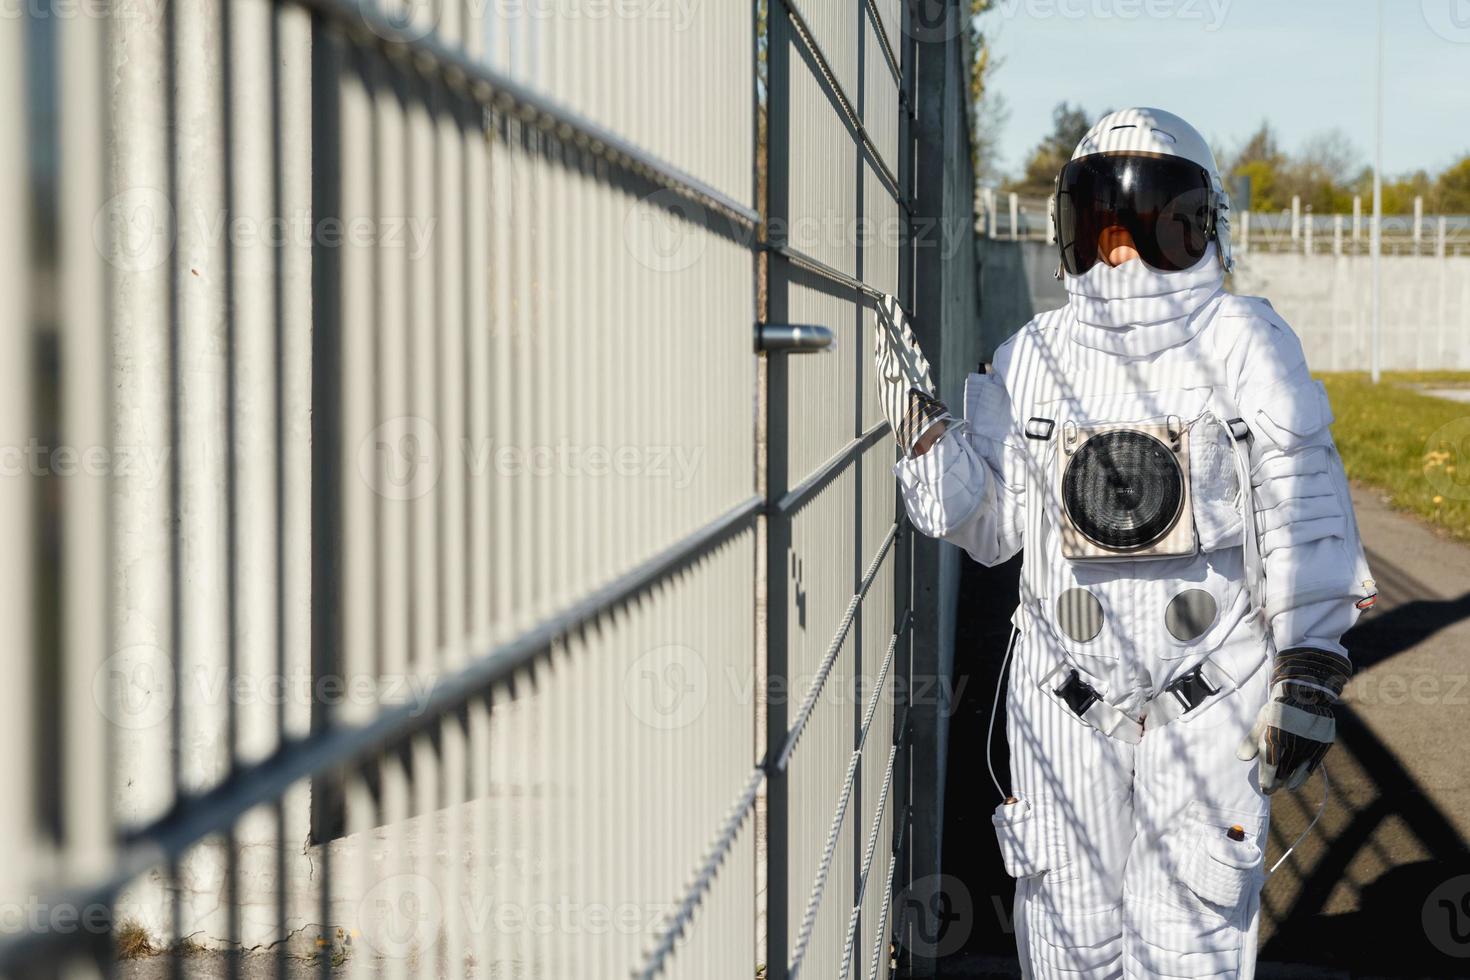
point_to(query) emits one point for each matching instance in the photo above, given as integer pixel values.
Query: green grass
(1414, 448)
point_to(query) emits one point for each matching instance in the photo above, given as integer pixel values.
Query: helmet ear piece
(1053, 238)
(1220, 223)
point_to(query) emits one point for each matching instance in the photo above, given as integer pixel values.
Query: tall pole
(1376, 236)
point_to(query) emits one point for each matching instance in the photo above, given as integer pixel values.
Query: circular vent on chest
(1123, 489)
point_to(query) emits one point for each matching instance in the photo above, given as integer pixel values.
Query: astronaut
(1159, 451)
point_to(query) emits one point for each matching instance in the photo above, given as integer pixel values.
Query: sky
(1225, 65)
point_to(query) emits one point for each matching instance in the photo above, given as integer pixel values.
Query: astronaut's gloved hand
(1296, 726)
(923, 423)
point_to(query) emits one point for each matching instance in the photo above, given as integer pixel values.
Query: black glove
(1296, 726)
(923, 413)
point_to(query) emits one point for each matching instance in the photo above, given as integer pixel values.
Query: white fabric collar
(1135, 310)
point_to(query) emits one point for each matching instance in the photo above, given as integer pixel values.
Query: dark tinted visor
(1163, 202)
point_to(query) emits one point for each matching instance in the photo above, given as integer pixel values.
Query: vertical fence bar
(85, 363)
(778, 525)
(17, 577)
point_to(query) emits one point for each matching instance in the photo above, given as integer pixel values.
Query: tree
(988, 109)
(1261, 162)
(1452, 189)
(1069, 124)
(1321, 175)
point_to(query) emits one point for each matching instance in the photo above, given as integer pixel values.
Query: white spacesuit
(1177, 646)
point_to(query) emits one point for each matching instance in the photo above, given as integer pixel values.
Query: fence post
(1418, 222)
(1015, 216)
(1357, 218)
(1307, 232)
(1337, 234)
(1245, 232)
(1440, 236)
(992, 227)
(1296, 217)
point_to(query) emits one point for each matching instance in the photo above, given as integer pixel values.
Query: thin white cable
(990, 730)
(1302, 836)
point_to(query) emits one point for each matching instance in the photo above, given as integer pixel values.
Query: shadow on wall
(1017, 281)
(1381, 888)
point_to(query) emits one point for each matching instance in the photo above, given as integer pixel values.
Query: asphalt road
(1381, 888)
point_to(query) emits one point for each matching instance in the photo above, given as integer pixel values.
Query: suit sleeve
(968, 489)
(1316, 577)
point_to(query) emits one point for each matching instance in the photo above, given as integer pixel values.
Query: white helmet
(1152, 173)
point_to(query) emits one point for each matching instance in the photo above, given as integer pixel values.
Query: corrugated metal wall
(836, 555)
(395, 611)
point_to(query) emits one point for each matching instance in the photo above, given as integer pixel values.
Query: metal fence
(1306, 233)
(381, 434)
(1016, 218)
(838, 594)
